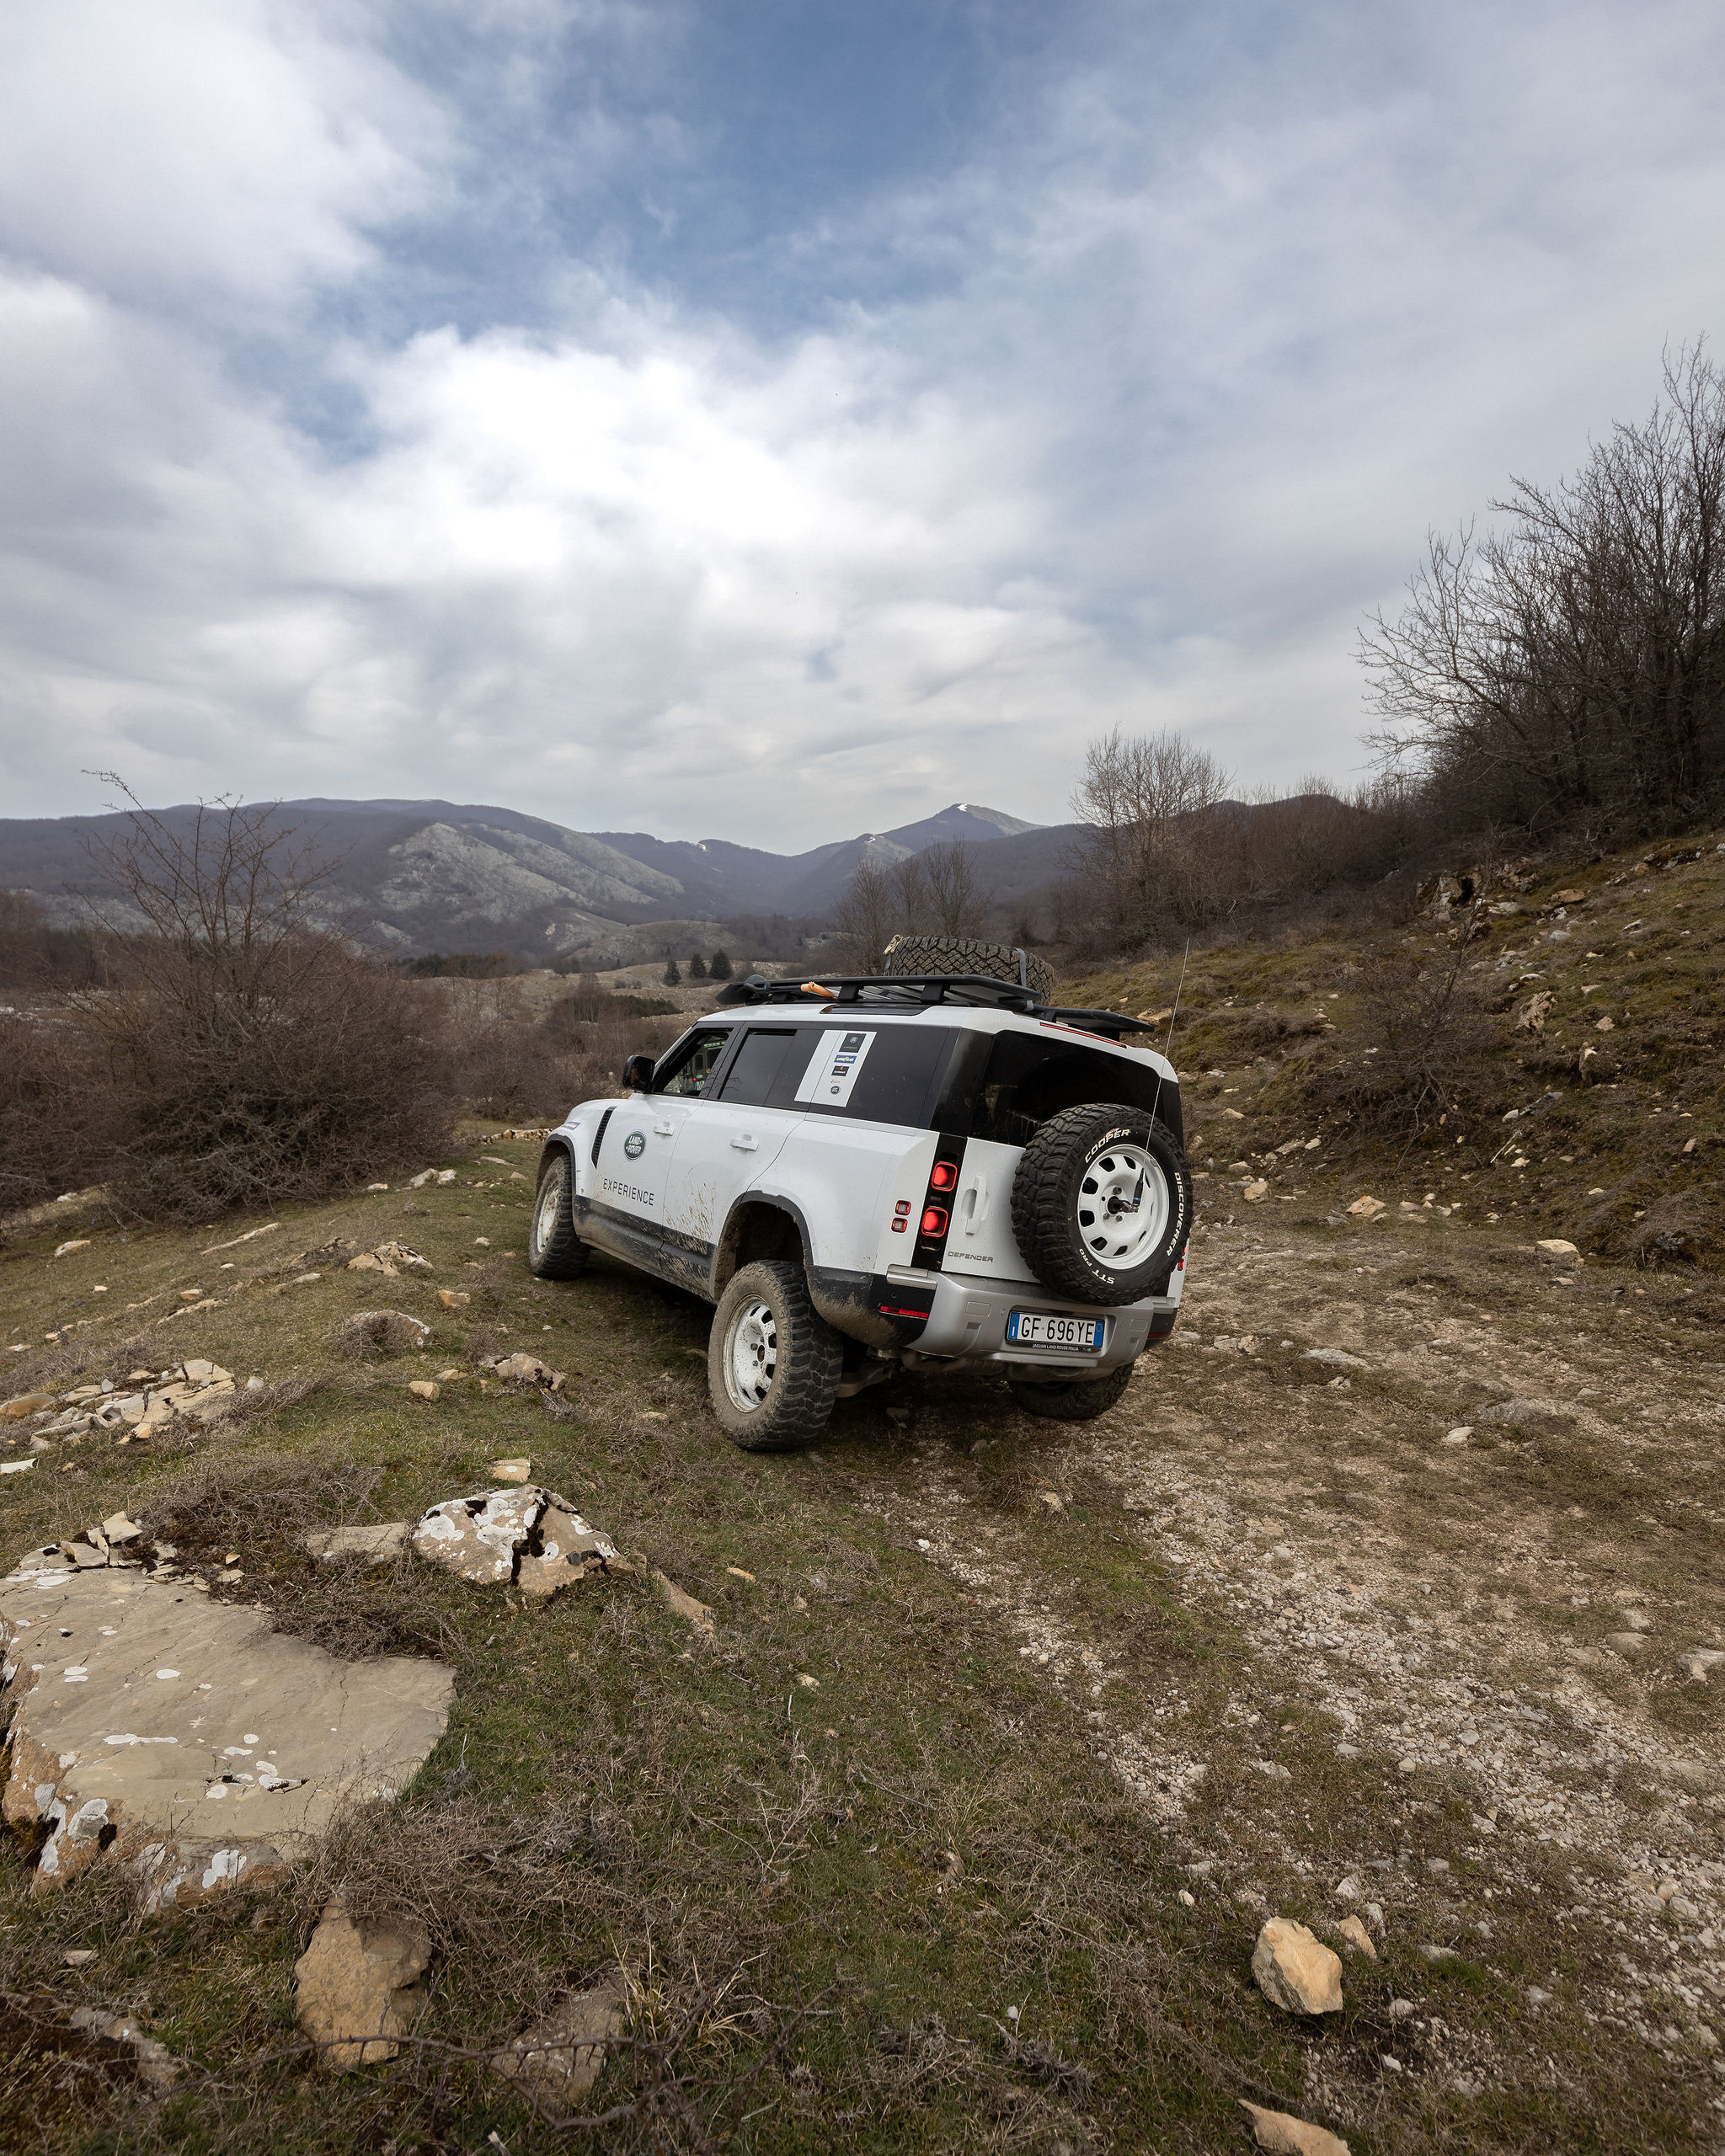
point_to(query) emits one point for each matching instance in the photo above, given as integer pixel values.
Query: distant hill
(421, 876)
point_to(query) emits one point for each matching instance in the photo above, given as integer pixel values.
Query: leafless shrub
(1420, 1048)
(250, 1403)
(250, 1056)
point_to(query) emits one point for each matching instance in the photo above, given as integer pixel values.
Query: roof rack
(924, 990)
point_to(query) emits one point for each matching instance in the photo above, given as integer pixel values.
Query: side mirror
(638, 1074)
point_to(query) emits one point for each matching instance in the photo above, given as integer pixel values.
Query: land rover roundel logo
(635, 1144)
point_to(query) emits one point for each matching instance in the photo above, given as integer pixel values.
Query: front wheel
(555, 1251)
(1081, 1400)
(773, 1362)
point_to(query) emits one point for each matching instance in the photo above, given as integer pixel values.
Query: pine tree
(672, 977)
(697, 968)
(720, 966)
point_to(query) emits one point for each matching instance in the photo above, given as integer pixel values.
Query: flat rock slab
(187, 1738)
(529, 1537)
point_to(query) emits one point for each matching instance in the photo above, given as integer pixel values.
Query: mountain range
(423, 876)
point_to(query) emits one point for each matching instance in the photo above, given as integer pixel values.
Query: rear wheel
(773, 1362)
(1082, 1401)
(555, 1251)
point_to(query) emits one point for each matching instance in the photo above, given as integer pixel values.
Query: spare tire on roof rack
(951, 958)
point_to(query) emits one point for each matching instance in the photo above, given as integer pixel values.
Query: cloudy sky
(775, 419)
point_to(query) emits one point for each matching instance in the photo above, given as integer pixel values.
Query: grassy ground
(1087, 1703)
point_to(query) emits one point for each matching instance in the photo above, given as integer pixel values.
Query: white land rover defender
(933, 1167)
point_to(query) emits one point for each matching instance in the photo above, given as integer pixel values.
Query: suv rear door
(733, 1135)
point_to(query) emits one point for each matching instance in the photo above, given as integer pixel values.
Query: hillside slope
(1597, 1097)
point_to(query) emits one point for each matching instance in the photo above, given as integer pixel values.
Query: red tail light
(936, 1216)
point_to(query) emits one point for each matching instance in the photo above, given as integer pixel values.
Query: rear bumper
(968, 1323)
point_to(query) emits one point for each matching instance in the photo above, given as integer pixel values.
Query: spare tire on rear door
(949, 957)
(1102, 1203)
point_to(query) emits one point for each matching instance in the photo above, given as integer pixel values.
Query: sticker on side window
(833, 1067)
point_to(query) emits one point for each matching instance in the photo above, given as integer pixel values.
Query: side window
(870, 1074)
(694, 1064)
(754, 1073)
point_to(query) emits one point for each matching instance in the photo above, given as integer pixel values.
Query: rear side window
(870, 1074)
(759, 1060)
(1007, 1089)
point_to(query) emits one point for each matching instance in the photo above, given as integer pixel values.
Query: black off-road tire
(1047, 1192)
(1082, 1401)
(951, 956)
(808, 1360)
(555, 1251)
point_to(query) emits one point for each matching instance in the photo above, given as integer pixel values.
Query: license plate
(1041, 1329)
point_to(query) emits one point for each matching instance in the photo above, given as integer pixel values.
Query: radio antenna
(1173, 1015)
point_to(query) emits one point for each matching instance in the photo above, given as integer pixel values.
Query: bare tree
(867, 916)
(956, 899)
(915, 899)
(1569, 666)
(1140, 797)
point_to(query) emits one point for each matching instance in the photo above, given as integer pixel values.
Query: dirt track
(1418, 1701)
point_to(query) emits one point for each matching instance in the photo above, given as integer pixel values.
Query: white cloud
(1192, 383)
(199, 145)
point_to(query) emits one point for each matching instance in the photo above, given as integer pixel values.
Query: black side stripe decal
(599, 1134)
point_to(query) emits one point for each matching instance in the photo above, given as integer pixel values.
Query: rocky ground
(931, 1788)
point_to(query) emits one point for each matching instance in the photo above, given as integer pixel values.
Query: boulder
(1367, 1208)
(1255, 1192)
(528, 1538)
(1281, 2132)
(1557, 1252)
(358, 1989)
(183, 1738)
(557, 2060)
(522, 1369)
(1336, 1357)
(1295, 1970)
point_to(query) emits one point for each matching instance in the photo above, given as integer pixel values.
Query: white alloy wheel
(1122, 1207)
(751, 1356)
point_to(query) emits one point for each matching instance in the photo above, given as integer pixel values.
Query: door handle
(747, 1144)
(664, 1129)
(976, 1204)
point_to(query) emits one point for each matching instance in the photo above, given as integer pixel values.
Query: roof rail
(924, 990)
